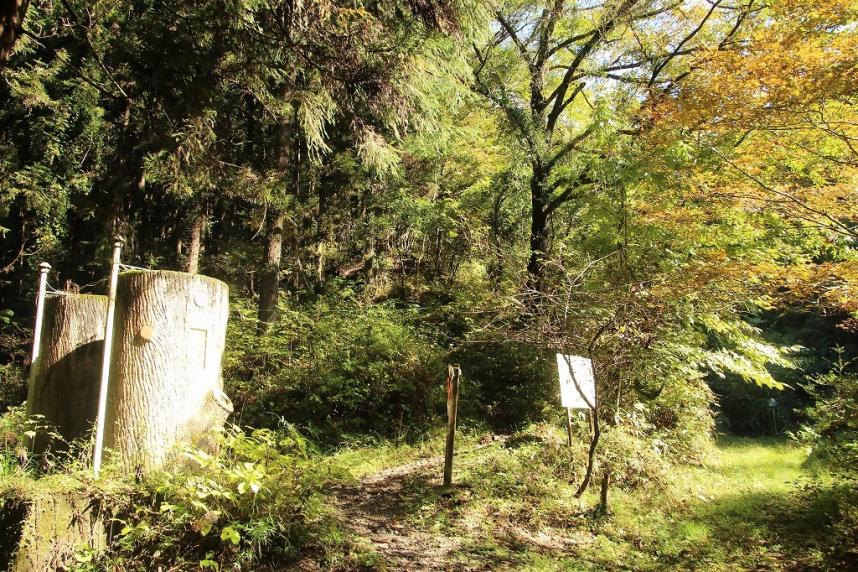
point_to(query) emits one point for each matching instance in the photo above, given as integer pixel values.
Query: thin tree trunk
(269, 281)
(539, 228)
(591, 454)
(192, 266)
(269, 278)
(594, 417)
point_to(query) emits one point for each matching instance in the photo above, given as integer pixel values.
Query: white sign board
(580, 370)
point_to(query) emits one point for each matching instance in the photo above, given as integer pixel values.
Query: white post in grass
(35, 357)
(105, 363)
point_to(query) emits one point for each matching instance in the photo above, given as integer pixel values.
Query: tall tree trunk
(269, 281)
(539, 228)
(165, 376)
(192, 264)
(11, 19)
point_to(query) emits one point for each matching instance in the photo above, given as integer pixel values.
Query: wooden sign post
(454, 375)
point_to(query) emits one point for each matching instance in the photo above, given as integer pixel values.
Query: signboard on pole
(577, 382)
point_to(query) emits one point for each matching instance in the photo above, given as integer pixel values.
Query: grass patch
(514, 508)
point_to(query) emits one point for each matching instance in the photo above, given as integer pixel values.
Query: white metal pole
(105, 360)
(35, 358)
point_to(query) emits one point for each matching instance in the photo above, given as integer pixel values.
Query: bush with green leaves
(682, 420)
(335, 366)
(833, 427)
(832, 435)
(251, 504)
(507, 383)
(17, 430)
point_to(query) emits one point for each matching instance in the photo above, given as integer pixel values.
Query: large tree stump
(165, 377)
(50, 529)
(64, 387)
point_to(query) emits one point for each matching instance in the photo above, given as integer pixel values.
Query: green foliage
(631, 452)
(832, 436)
(251, 504)
(17, 430)
(507, 383)
(833, 427)
(337, 366)
(13, 440)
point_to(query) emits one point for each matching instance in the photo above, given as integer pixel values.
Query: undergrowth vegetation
(255, 501)
(264, 499)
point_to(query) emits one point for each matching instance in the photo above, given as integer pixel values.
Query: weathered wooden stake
(105, 364)
(44, 267)
(604, 507)
(569, 427)
(454, 374)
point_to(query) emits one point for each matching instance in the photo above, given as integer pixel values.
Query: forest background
(666, 186)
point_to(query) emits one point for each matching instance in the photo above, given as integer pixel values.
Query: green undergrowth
(267, 500)
(513, 506)
(256, 502)
(360, 459)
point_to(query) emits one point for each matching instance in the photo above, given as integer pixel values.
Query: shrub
(631, 452)
(336, 366)
(249, 505)
(507, 383)
(832, 435)
(16, 431)
(682, 421)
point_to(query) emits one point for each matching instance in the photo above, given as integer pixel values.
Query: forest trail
(734, 512)
(379, 508)
(383, 510)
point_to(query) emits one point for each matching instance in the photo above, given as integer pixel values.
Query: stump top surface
(172, 274)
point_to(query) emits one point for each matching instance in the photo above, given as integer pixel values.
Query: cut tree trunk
(65, 386)
(165, 377)
(269, 281)
(52, 528)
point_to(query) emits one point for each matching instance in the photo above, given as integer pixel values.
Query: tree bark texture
(165, 377)
(193, 263)
(269, 282)
(54, 527)
(540, 230)
(11, 18)
(65, 384)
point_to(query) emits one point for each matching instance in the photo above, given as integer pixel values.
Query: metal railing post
(105, 363)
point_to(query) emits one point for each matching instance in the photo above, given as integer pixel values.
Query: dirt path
(379, 509)
(383, 509)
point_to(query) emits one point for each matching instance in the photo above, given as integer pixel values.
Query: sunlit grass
(737, 510)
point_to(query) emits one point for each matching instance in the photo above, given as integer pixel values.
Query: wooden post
(35, 356)
(454, 374)
(105, 363)
(604, 507)
(569, 427)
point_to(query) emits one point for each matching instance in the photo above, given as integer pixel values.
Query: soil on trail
(381, 509)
